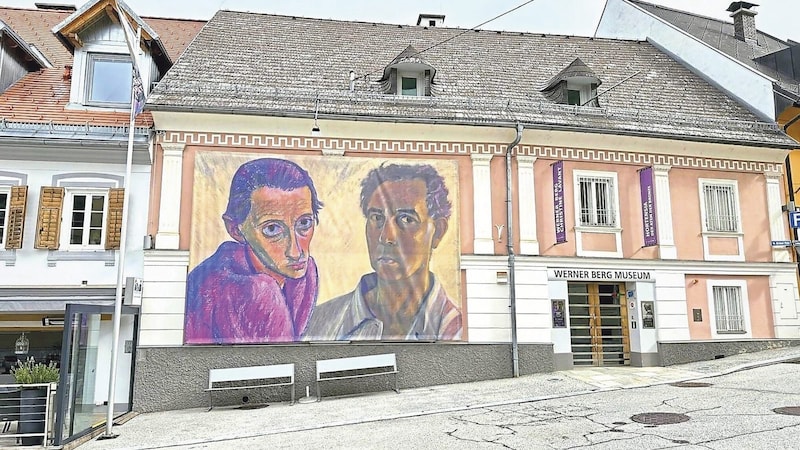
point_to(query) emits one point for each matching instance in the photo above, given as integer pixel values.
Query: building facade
(593, 202)
(65, 102)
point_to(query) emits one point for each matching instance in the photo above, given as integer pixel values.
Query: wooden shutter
(427, 82)
(48, 225)
(116, 199)
(16, 217)
(393, 89)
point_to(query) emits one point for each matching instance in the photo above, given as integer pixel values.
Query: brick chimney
(744, 21)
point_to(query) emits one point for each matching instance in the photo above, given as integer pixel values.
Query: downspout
(512, 292)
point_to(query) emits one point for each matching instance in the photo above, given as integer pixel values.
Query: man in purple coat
(263, 286)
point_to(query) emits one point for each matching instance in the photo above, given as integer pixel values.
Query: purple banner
(649, 222)
(558, 202)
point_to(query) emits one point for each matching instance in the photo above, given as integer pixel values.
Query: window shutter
(393, 82)
(427, 83)
(116, 198)
(48, 226)
(16, 217)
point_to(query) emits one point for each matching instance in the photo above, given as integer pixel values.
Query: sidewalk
(198, 426)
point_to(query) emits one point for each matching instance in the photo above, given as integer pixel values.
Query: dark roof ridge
(458, 29)
(701, 16)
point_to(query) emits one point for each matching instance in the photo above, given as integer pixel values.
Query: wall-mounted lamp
(22, 345)
(315, 131)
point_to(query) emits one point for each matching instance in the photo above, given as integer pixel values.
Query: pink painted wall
(761, 317)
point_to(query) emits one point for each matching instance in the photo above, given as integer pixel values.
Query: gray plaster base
(169, 378)
(645, 359)
(686, 352)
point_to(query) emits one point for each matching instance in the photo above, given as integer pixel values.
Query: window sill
(106, 256)
(598, 229)
(731, 332)
(90, 108)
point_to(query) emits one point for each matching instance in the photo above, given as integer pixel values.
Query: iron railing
(27, 414)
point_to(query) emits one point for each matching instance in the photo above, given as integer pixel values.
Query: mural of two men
(264, 285)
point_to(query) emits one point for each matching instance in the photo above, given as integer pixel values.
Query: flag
(139, 98)
(132, 39)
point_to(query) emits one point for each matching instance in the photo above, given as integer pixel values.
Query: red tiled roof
(43, 96)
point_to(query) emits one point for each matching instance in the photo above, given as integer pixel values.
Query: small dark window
(573, 97)
(432, 23)
(409, 86)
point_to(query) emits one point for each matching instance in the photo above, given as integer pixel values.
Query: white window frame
(91, 59)
(741, 285)
(415, 75)
(585, 90)
(707, 234)
(581, 229)
(66, 219)
(4, 190)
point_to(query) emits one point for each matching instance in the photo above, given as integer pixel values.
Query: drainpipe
(512, 292)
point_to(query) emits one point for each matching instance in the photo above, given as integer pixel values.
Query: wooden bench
(343, 368)
(249, 378)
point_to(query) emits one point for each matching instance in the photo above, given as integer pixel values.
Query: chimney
(430, 20)
(744, 21)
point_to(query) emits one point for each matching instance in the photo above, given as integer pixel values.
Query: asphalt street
(749, 401)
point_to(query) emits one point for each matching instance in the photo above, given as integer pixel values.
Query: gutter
(512, 292)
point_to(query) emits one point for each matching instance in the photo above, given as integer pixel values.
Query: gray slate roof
(720, 35)
(247, 63)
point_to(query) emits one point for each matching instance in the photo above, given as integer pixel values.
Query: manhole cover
(691, 384)
(254, 406)
(659, 418)
(788, 410)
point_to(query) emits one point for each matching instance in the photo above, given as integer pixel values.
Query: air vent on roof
(55, 6)
(430, 20)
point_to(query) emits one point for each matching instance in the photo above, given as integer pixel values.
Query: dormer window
(575, 85)
(408, 75)
(108, 80)
(409, 83)
(103, 66)
(581, 92)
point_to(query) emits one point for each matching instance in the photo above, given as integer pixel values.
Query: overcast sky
(574, 17)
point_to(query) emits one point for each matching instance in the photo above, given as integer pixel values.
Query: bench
(344, 368)
(249, 378)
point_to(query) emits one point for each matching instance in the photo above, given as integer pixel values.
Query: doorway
(598, 319)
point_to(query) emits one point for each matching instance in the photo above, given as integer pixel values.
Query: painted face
(279, 229)
(400, 234)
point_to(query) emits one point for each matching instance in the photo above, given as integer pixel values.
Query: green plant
(31, 372)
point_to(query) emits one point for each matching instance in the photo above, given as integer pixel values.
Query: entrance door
(598, 320)
(85, 369)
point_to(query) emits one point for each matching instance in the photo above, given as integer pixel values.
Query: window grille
(597, 202)
(721, 210)
(728, 309)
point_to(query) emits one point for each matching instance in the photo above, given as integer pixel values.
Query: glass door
(86, 365)
(598, 331)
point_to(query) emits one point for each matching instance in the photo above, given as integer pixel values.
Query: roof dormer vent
(744, 21)
(430, 20)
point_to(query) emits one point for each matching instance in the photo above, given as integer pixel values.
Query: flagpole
(117, 319)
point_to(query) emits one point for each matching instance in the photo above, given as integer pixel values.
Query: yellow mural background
(339, 245)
